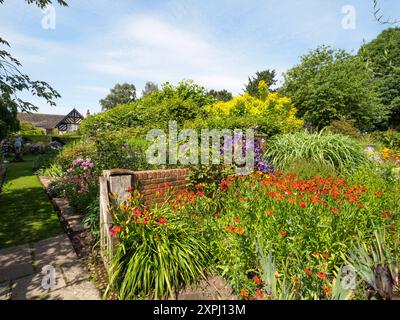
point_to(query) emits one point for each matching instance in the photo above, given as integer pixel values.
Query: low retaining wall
(146, 182)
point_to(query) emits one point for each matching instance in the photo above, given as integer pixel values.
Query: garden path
(24, 272)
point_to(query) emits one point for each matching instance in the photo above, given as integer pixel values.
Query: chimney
(88, 114)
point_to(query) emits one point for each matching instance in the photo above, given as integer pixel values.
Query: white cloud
(147, 48)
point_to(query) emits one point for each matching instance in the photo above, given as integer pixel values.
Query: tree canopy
(268, 76)
(329, 84)
(119, 95)
(383, 57)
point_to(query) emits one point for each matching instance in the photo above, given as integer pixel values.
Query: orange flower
(325, 256)
(257, 280)
(303, 204)
(308, 271)
(296, 280)
(259, 294)
(237, 220)
(322, 275)
(230, 228)
(316, 254)
(241, 199)
(239, 230)
(361, 205)
(283, 233)
(335, 210)
(244, 293)
(269, 212)
(385, 214)
(328, 291)
(379, 194)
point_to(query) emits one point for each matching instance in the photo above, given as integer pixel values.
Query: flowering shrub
(390, 155)
(81, 183)
(305, 227)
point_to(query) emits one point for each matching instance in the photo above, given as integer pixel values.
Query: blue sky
(218, 43)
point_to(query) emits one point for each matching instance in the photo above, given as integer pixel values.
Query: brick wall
(148, 182)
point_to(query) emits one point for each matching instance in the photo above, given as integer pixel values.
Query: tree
(221, 95)
(149, 88)
(329, 84)
(13, 82)
(120, 94)
(383, 57)
(268, 76)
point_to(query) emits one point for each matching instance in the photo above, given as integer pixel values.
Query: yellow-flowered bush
(270, 112)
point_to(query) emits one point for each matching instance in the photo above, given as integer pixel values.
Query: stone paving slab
(79, 291)
(74, 272)
(15, 262)
(30, 287)
(76, 225)
(5, 290)
(54, 251)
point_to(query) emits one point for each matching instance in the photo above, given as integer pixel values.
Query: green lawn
(26, 214)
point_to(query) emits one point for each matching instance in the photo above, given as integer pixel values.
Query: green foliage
(117, 149)
(43, 160)
(91, 219)
(329, 84)
(149, 88)
(119, 95)
(221, 95)
(27, 129)
(383, 57)
(268, 76)
(336, 150)
(158, 252)
(74, 150)
(49, 169)
(390, 138)
(206, 179)
(307, 169)
(171, 103)
(344, 127)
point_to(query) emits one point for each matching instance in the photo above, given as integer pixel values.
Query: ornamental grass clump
(158, 251)
(339, 151)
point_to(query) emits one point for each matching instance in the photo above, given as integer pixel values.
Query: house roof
(40, 120)
(50, 121)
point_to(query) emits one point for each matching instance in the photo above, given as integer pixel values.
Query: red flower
(308, 271)
(237, 220)
(283, 233)
(241, 199)
(129, 189)
(379, 194)
(257, 280)
(361, 205)
(160, 192)
(244, 293)
(230, 228)
(303, 204)
(322, 275)
(335, 210)
(145, 220)
(199, 186)
(224, 185)
(137, 213)
(115, 230)
(269, 212)
(200, 194)
(259, 294)
(162, 220)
